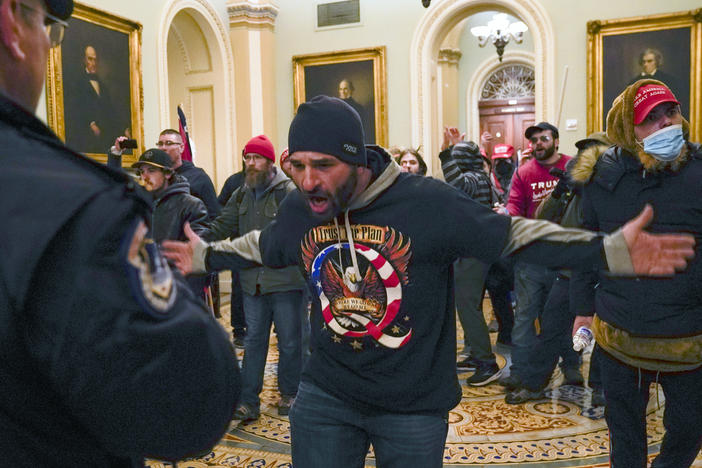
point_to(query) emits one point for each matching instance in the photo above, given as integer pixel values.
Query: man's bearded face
(258, 170)
(544, 145)
(326, 183)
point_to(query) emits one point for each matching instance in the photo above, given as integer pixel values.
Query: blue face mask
(665, 144)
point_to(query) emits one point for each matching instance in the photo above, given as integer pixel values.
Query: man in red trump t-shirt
(531, 184)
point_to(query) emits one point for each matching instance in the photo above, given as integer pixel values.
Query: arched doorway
(506, 104)
(438, 21)
(195, 65)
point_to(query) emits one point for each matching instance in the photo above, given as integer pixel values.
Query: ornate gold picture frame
(94, 89)
(359, 75)
(619, 49)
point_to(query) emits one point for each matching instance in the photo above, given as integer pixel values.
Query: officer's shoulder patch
(150, 278)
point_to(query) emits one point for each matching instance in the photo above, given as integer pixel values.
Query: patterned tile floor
(562, 430)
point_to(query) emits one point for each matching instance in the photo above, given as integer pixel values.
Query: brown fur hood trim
(584, 163)
(620, 128)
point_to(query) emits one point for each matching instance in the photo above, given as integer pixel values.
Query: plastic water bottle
(582, 338)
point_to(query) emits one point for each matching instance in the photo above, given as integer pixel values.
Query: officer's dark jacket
(173, 207)
(201, 187)
(90, 373)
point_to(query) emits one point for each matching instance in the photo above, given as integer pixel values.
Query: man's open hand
(181, 253)
(656, 254)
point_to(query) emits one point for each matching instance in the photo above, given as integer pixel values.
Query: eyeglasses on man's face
(250, 158)
(543, 138)
(55, 27)
(167, 143)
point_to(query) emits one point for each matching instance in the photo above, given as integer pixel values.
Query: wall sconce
(499, 31)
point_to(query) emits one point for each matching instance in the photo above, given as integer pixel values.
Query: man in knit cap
(648, 329)
(270, 296)
(378, 246)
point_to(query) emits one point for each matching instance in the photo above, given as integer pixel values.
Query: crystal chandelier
(499, 31)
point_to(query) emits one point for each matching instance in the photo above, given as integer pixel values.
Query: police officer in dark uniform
(105, 355)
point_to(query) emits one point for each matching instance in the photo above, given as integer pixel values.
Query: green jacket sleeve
(226, 225)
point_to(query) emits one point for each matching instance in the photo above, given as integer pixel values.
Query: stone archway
(196, 70)
(437, 22)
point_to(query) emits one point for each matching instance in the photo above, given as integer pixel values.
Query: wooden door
(507, 120)
(521, 123)
(501, 127)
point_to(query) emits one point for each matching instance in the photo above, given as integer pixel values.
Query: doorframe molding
(221, 50)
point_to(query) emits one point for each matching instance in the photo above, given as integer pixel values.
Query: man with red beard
(531, 184)
(378, 246)
(269, 295)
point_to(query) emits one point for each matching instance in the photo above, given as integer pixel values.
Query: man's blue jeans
(533, 284)
(283, 309)
(328, 432)
(469, 279)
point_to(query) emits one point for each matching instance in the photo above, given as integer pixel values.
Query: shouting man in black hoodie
(377, 247)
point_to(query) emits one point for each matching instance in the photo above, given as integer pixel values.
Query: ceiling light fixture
(499, 31)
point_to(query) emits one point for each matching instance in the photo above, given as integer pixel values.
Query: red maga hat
(649, 96)
(502, 151)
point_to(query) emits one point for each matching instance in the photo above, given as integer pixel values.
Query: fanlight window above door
(509, 82)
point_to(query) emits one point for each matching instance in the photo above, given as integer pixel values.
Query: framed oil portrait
(356, 76)
(94, 89)
(665, 47)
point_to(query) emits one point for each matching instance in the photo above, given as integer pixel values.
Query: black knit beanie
(328, 125)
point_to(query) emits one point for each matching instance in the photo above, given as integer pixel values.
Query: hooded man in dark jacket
(378, 246)
(648, 329)
(173, 204)
(462, 165)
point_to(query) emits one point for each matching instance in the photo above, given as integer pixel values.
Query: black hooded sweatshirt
(387, 340)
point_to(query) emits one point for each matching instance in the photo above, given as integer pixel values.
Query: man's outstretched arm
(627, 251)
(192, 256)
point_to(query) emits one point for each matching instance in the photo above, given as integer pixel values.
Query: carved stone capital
(243, 13)
(450, 56)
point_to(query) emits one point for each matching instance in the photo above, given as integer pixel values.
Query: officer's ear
(12, 28)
